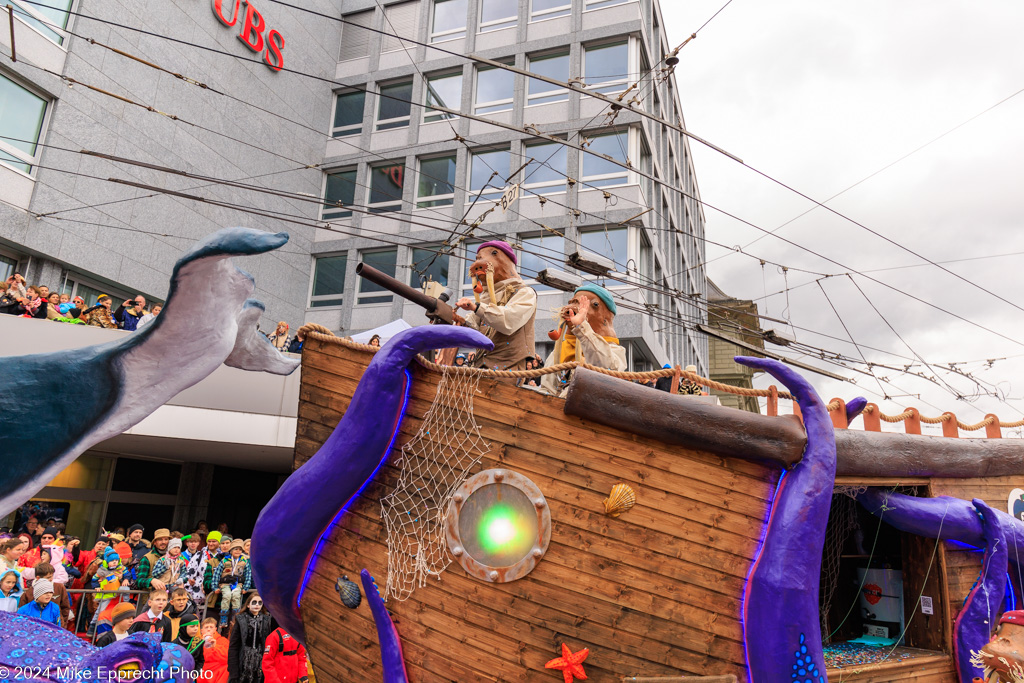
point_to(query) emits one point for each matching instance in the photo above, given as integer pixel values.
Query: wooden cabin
(655, 594)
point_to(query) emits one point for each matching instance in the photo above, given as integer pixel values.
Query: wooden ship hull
(655, 593)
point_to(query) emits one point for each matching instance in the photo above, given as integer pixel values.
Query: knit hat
(504, 246)
(161, 533)
(109, 555)
(227, 537)
(174, 543)
(237, 543)
(50, 530)
(125, 610)
(124, 551)
(136, 527)
(213, 536)
(41, 587)
(101, 297)
(603, 294)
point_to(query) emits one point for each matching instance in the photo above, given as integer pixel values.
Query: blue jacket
(126, 319)
(50, 613)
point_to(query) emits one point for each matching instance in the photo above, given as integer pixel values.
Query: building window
(385, 261)
(444, 90)
(548, 9)
(612, 243)
(437, 182)
(22, 114)
(494, 90)
(554, 65)
(449, 20)
(348, 113)
(606, 67)
(487, 173)
(394, 104)
(401, 21)
(468, 256)
(7, 267)
(328, 281)
(49, 18)
(339, 191)
(600, 172)
(386, 183)
(498, 14)
(428, 266)
(546, 172)
(540, 252)
(598, 4)
(355, 36)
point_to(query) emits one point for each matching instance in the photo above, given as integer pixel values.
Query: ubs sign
(253, 25)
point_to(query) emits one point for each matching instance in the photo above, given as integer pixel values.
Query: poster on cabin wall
(1015, 504)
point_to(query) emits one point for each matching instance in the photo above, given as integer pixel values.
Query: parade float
(443, 525)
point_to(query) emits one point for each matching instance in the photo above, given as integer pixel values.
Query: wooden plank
(938, 668)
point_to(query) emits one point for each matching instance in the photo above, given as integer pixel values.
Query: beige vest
(509, 349)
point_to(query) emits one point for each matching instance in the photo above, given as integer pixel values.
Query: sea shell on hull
(621, 499)
(349, 592)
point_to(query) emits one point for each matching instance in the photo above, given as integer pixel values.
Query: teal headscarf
(601, 293)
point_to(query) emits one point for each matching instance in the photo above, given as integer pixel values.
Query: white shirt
(508, 318)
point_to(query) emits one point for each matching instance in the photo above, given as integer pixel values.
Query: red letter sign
(219, 11)
(273, 58)
(252, 30)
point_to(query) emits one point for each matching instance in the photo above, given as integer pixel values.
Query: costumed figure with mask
(247, 641)
(586, 335)
(504, 311)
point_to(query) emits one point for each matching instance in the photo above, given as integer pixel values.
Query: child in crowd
(215, 653)
(120, 621)
(190, 639)
(33, 305)
(153, 620)
(171, 567)
(247, 641)
(42, 607)
(180, 610)
(107, 577)
(33, 575)
(9, 591)
(232, 577)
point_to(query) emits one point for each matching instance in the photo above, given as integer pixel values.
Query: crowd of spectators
(170, 585)
(37, 301)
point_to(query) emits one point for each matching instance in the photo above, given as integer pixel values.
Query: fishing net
(433, 464)
(842, 521)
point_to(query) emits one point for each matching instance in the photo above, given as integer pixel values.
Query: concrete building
(738, 319)
(323, 126)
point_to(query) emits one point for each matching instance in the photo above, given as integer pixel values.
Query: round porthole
(498, 525)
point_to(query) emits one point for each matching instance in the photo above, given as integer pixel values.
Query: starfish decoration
(570, 664)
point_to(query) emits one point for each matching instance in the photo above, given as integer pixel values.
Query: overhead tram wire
(665, 185)
(568, 86)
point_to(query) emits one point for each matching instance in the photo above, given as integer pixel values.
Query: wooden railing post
(950, 427)
(872, 423)
(992, 430)
(912, 425)
(773, 401)
(839, 420)
(676, 374)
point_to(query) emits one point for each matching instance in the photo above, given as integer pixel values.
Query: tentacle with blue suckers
(980, 613)
(387, 635)
(299, 516)
(780, 599)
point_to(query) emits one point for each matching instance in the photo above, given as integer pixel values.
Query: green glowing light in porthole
(500, 529)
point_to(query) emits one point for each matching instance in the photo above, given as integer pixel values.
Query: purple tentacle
(855, 407)
(387, 634)
(780, 600)
(979, 616)
(302, 511)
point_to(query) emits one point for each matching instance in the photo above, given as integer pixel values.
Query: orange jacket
(284, 659)
(215, 664)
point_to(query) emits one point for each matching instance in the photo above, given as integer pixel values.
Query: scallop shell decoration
(349, 592)
(621, 499)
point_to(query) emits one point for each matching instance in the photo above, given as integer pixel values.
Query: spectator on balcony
(52, 303)
(279, 338)
(16, 286)
(44, 291)
(73, 317)
(33, 305)
(9, 304)
(67, 303)
(375, 340)
(296, 344)
(100, 315)
(130, 313)
(149, 317)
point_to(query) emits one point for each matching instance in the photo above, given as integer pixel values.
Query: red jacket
(215, 661)
(284, 659)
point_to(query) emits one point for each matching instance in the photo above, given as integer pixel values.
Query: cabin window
(871, 577)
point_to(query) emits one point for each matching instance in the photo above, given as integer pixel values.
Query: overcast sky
(821, 95)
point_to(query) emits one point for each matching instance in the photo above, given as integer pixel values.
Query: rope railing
(910, 416)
